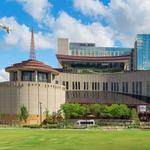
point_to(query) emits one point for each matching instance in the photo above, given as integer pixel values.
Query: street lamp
(40, 112)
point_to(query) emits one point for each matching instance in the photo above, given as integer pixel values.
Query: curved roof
(31, 64)
(93, 58)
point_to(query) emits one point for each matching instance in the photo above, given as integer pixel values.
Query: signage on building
(142, 108)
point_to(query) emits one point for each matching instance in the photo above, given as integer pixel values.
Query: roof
(103, 97)
(32, 64)
(93, 58)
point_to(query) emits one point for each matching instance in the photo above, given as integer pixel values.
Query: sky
(104, 22)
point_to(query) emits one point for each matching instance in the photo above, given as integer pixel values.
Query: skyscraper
(143, 51)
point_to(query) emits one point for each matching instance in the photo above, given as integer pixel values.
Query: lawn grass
(36, 139)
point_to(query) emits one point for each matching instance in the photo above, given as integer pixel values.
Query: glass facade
(143, 51)
(89, 49)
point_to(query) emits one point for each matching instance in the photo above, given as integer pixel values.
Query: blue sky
(105, 22)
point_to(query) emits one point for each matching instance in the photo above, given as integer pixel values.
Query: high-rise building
(143, 51)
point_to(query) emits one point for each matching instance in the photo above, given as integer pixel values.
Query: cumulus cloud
(67, 26)
(20, 36)
(90, 7)
(126, 17)
(3, 75)
(38, 9)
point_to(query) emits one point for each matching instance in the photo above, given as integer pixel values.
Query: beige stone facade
(95, 82)
(15, 94)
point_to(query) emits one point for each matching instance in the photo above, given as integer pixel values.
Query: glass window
(78, 85)
(133, 88)
(92, 85)
(140, 88)
(126, 87)
(73, 85)
(112, 87)
(15, 76)
(106, 88)
(137, 86)
(67, 85)
(42, 77)
(28, 76)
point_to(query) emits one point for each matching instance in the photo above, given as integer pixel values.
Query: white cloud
(90, 7)
(38, 9)
(67, 26)
(126, 17)
(20, 36)
(3, 75)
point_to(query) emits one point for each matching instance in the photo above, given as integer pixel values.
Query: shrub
(31, 126)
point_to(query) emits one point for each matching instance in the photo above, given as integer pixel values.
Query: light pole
(40, 112)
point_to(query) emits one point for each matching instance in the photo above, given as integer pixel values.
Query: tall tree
(23, 113)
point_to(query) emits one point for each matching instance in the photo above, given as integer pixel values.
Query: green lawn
(36, 139)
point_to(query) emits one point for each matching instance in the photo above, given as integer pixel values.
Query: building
(87, 74)
(31, 83)
(143, 51)
(101, 74)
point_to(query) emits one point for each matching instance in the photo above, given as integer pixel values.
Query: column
(36, 76)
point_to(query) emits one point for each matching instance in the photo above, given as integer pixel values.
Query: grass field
(36, 139)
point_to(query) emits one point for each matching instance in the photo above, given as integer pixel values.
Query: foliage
(73, 110)
(119, 111)
(23, 113)
(31, 126)
(97, 110)
(135, 117)
(55, 118)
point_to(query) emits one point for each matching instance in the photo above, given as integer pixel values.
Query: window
(73, 85)
(78, 85)
(106, 86)
(140, 88)
(133, 88)
(63, 83)
(43, 77)
(123, 87)
(126, 87)
(15, 76)
(28, 76)
(117, 86)
(103, 86)
(112, 86)
(95, 86)
(92, 85)
(137, 86)
(67, 85)
(56, 82)
(84, 85)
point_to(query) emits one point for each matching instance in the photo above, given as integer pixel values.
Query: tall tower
(32, 48)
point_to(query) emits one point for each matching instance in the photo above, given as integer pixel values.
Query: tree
(135, 117)
(73, 110)
(23, 113)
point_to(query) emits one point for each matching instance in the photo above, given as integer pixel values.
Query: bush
(51, 126)
(31, 126)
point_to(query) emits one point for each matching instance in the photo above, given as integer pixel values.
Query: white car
(83, 123)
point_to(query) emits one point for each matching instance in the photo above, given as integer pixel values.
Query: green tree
(23, 113)
(135, 117)
(73, 110)
(118, 111)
